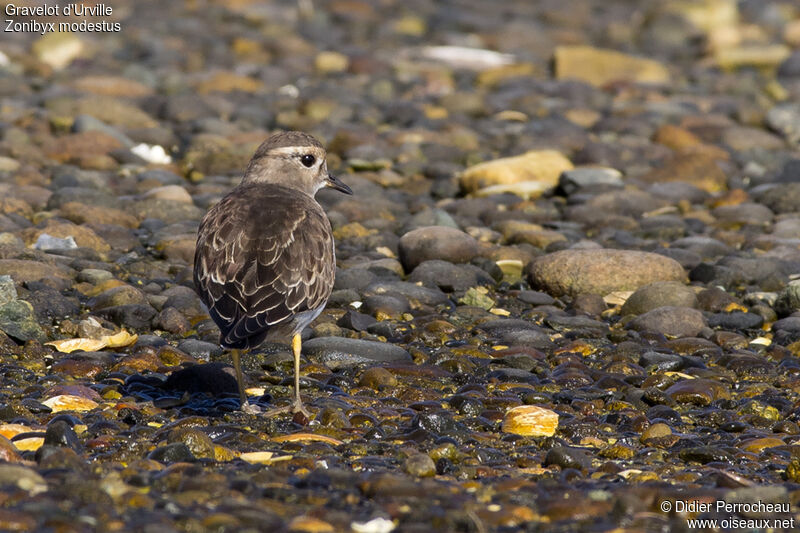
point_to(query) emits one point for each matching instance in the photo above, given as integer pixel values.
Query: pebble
(697, 391)
(420, 465)
(449, 277)
(600, 66)
(8, 291)
(566, 457)
(377, 378)
(659, 294)
(339, 352)
(671, 321)
(435, 242)
(17, 320)
(528, 174)
(601, 271)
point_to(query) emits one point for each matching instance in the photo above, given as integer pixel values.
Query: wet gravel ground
(585, 206)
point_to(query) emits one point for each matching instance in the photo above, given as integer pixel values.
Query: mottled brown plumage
(264, 263)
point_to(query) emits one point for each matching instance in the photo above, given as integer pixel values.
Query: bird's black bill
(339, 185)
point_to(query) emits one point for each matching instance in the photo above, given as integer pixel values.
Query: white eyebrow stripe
(294, 150)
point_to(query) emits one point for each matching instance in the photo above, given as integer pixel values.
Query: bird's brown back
(264, 255)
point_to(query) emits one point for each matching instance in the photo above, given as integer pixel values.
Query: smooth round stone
(388, 304)
(782, 198)
(121, 295)
(420, 465)
(355, 321)
(84, 195)
(593, 178)
(200, 349)
(790, 68)
(785, 118)
(601, 272)
(790, 323)
(735, 321)
(449, 277)
(567, 457)
(697, 391)
(705, 247)
(787, 229)
(670, 321)
(174, 193)
(788, 299)
(136, 316)
(377, 378)
(662, 361)
(436, 242)
(659, 294)
(676, 191)
(200, 445)
(22, 271)
(705, 454)
(535, 298)
(414, 294)
(602, 208)
(84, 123)
(340, 352)
(655, 431)
(430, 217)
(353, 278)
(747, 213)
(715, 299)
(177, 452)
(94, 276)
(60, 433)
(518, 332)
(687, 258)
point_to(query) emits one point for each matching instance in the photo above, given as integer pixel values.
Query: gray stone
(788, 299)
(200, 349)
(659, 294)
(8, 290)
(671, 321)
(48, 242)
(94, 275)
(84, 123)
(600, 271)
(340, 352)
(591, 178)
(785, 119)
(449, 277)
(416, 296)
(436, 242)
(18, 320)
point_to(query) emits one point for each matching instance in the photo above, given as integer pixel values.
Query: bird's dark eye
(308, 160)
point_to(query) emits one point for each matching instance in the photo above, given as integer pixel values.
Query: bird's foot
(296, 407)
(250, 409)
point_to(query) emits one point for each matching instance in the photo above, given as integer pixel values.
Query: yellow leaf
(263, 457)
(294, 437)
(70, 402)
(10, 431)
(73, 345)
(30, 444)
(118, 340)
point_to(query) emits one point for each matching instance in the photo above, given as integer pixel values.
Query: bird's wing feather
(261, 258)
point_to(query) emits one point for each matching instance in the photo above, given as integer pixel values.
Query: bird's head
(295, 160)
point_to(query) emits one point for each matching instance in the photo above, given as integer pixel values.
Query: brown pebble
(377, 378)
